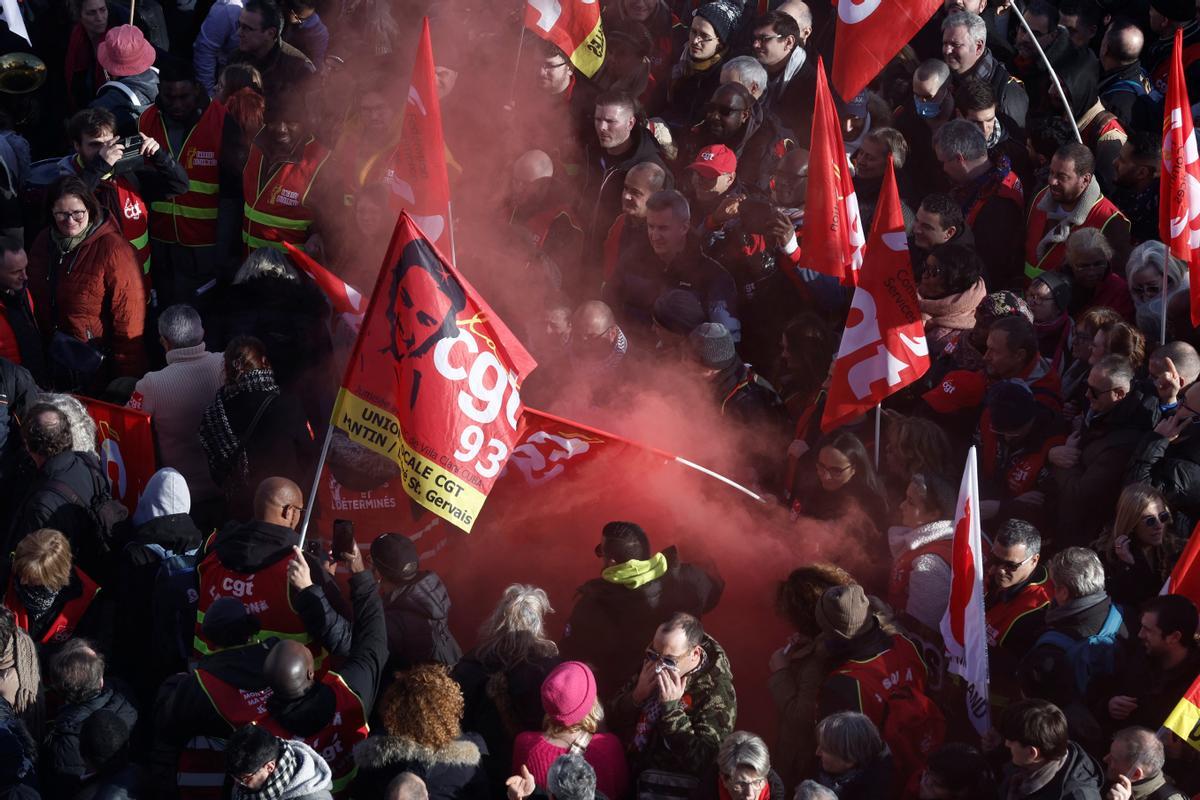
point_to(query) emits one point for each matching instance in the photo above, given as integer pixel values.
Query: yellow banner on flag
(1185, 719)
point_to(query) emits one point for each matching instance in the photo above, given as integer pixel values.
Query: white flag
(10, 11)
(963, 628)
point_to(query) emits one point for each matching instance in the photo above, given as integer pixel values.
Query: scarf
(22, 656)
(633, 573)
(1065, 221)
(1028, 780)
(955, 311)
(994, 139)
(36, 599)
(67, 244)
(1073, 607)
(278, 781)
(1060, 327)
(982, 186)
(221, 444)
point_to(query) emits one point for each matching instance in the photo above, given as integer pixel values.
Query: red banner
(126, 445)
(869, 34)
(1179, 182)
(1185, 576)
(572, 26)
(833, 234)
(883, 345)
(433, 386)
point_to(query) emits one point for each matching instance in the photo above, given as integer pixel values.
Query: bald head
(641, 181)
(288, 668)
(799, 11)
(406, 786)
(593, 318)
(279, 501)
(532, 166)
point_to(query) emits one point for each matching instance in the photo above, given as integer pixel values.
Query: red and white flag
(1179, 183)
(1185, 577)
(833, 235)
(421, 185)
(963, 628)
(343, 298)
(572, 26)
(883, 345)
(869, 34)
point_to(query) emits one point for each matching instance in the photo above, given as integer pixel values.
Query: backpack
(176, 595)
(913, 727)
(110, 518)
(1091, 657)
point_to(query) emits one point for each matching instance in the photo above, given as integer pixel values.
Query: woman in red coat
(87, 288)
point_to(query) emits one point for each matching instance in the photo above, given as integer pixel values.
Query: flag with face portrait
(869, 35)
(572, 26)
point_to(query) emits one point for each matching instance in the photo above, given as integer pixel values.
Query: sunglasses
(668, 662)
(1009, 566)
(1161, 521)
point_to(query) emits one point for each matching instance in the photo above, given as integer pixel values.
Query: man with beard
(282, 170)
(629, 227)
(757, 139)
(1136, 183)
(669, 257)
(192, 234)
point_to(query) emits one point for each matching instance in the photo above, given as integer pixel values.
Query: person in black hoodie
(1045, 764)
(77, 672)
(415, 607)
(617, 613)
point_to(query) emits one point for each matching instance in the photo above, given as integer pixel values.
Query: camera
(756, 214)
(131, 157)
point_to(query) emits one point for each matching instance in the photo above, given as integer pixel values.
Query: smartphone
(343, 537)
(756, 214)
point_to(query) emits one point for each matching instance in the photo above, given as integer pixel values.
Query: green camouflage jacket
(689, 732)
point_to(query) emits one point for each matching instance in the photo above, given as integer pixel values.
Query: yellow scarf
(634, 573)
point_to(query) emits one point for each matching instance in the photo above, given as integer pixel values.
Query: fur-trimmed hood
(377, 752)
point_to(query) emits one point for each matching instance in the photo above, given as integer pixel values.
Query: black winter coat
(611, 624)
(453, 772)
(62, 764)
(603, 181)
(1080, 778)
(1173, 468)
(417, 629)
(862, 783)
(43, 507)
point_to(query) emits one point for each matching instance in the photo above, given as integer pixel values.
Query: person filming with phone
(1168, 458)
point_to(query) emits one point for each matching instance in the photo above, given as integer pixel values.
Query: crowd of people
(636, 226)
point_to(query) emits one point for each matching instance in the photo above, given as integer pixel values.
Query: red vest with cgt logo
(191, 218)
(265, 594)
(277, 210)
(132, 216)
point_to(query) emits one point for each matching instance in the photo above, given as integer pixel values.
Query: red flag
(343, 297)
(833, 234)
(421, 185)
(1179, 183)
(126, 446)
(869, 34)
(573, 26)
(883, 346)
(434, 382)
(964, 629)
(1185, 577)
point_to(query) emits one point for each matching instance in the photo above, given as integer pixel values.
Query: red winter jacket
(100, 295)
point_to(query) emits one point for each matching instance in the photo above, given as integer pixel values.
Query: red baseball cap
(714, 161)
(959, 390)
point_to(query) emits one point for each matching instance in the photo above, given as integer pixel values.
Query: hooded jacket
(100, 295)
(1011, 96)
(312, 780)
(1079, 778)
(127, 104)
(603, 181)
(417, 628)
(1088, 491)
(760, 145)
(615, 617)
(62, 766)
(451, 772)
(686, 733)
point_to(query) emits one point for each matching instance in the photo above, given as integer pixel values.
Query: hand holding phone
(343, 538)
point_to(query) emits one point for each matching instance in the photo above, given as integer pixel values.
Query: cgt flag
(964, 630)
(833, 235)
(126, 446)
(1184, 720)
(1185, 576)
(572, 26)
(869, 34)
(343, 298)
(434, 381)
(1179, 183)
(883, 346)
(421, 184)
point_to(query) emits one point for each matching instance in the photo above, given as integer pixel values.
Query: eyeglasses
(668, 662)
(1037, 299)
(1161, 521)
(78, 215)
(833, 471)
(742, 786)
(1008, 566)
(701, 38)
(764, 39)
(1148, 290)
(552, 67)
(1095, 393)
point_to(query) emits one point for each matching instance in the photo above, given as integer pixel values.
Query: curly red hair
(424, 704)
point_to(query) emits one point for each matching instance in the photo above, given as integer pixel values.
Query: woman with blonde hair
(572, 725)
(422, 715)
(502, 676)
(1140, 548)
(50, 597)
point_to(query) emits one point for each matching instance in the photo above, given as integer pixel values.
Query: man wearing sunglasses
(1018, 594)
(1168, 458)
(1089, 469)
(680, 706)
(758, 140)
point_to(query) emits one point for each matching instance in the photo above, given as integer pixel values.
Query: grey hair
(1142, 749)
(83, 427)
(976, 27)
(570, 777)
(516, 630)
(1089, 240)
(1184, 357)
(406, 786)
(670, 200)
(850, 736)
(932, 68)
(1017, 531)
(180, 325)
(1117, 368)
(811, 790)
(961, 138)
(1078, 570)
(742, 749)
(1149, 255)
(266, 262)
(745, 70)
